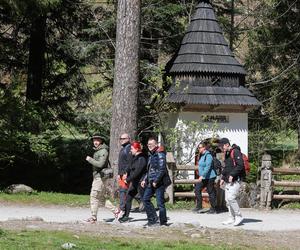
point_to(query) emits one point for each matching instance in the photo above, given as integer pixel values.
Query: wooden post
(171, 167)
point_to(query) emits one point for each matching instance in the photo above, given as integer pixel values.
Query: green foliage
(291, 205)
(184, 138)
(261, 140)
(253, 176)
(181, 204)
(96, 121)
(273, 63)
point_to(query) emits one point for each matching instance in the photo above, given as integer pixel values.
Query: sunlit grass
(54, 240)
(46, 198)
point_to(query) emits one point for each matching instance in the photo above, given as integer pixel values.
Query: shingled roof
(204, 48)
(205, 67)
(212, 95)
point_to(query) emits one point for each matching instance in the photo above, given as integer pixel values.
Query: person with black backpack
(207, 177)
(232, 175)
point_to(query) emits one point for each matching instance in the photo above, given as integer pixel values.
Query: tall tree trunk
(36, 62)
(232, 31)
(126, 77)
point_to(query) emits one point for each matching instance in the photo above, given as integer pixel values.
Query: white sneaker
(238, 220)
(228, 222)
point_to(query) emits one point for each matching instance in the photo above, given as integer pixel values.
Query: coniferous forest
(58, 73)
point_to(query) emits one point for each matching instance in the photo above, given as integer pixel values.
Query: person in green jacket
(99, 161)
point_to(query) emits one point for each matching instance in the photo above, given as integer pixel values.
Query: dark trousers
(150, 210)
(133, 190)
(123, 195)
(210, 187)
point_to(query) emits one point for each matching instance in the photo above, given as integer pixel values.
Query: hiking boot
(156, 224)
(164, 224)
(124, 219)
(238, 220)
(202, 211)
(196, 209)
(211, 211)
(229, 221)
(91, 220)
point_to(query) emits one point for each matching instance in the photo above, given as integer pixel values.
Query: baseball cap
(224, 141)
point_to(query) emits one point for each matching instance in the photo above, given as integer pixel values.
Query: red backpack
(245, 160)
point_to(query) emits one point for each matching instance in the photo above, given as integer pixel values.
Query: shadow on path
(249, 220)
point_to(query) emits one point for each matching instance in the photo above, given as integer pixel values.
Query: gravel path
(256, 220)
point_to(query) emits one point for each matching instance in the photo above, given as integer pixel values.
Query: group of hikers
(147, 175)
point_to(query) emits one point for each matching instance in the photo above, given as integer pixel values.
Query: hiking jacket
(156, 167)
(205, 166)
(136, 169)
(99, 160)
(124, 158)
(237, 170)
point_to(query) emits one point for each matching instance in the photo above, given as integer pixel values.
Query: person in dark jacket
(135, 173)
(232, 174)
(123, 164)
(154, 184)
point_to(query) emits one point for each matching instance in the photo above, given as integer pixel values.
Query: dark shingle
(204, 48)
(212, 96)
(205, 66)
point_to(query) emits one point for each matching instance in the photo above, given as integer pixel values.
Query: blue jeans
(150, 210)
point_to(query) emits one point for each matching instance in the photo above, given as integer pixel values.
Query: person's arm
(161, 167)
(100, 160)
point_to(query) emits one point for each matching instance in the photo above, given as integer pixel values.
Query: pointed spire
(204, 48)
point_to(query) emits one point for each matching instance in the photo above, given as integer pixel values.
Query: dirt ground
(276, 229)
(235, 238)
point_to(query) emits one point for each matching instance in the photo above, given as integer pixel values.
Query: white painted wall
(236, 130)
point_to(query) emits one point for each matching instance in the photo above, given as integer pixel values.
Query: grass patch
(53, 240)
(291, 205)
(75, 200)
(46, 198)
(181, 204)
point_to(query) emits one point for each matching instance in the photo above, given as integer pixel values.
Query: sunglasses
(123, 138)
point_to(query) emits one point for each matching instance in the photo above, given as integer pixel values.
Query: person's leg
(141, 194)
(234, 208)
(212, 194)
(228, 204)
(234, 191)
(150, 210)
(159, 192)
(131, 193)
(198, 195)
(123, 194)
(96, 189)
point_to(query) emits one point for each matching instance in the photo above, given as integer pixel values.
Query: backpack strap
(232, 157)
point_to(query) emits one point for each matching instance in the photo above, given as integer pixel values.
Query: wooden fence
(173, 168)
(285, 183)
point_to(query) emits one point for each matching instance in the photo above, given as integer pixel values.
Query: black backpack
(215, 164)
